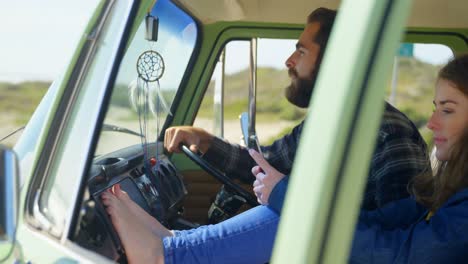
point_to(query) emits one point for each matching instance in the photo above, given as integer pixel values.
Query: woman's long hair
(433, 190)
(450, 177)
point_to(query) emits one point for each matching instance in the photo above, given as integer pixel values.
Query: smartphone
(254, 144)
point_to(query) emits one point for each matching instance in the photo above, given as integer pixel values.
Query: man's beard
(300, 90)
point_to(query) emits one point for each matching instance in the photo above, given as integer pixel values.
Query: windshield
(148, 79)
(28, 142)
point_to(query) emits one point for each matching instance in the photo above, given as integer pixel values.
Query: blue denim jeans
(245, 238)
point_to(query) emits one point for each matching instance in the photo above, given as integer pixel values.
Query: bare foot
(141, 214)
(141, 245)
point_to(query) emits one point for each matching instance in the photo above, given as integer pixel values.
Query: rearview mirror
(9, 190)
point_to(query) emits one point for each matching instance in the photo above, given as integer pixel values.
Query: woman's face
(450, 117)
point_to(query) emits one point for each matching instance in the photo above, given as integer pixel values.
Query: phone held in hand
(254, 144)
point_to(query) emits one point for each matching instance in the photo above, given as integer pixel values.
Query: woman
(430, 227)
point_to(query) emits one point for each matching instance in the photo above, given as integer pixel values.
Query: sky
(38, 38)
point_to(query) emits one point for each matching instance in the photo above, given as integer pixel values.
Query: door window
(274, 114)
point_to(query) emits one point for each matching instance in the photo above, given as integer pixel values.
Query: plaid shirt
(399, 155)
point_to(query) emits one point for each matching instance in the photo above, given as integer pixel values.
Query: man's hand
(195, 138)
(266, 177)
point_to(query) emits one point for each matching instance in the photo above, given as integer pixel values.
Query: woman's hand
(266, 177)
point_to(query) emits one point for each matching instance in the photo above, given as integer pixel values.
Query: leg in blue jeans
(245, 238)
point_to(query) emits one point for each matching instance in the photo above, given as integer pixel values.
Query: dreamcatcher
(145, 93)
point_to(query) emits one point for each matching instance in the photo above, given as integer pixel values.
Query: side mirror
(9, 190)
(250, 138)
(244, 122)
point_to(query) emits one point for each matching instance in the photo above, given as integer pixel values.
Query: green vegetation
(18, 101)
(414, 95)
(271, 103)
(415, 92)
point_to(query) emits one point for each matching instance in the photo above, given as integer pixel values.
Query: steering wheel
(195, 157)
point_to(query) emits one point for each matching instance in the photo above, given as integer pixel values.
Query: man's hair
(325, 17)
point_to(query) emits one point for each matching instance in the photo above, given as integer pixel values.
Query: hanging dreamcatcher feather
(146, 95)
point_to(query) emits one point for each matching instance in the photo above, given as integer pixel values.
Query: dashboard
(149, 178)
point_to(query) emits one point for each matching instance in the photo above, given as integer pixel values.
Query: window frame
(63, 133)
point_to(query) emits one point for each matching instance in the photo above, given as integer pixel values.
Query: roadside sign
(406, 50)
